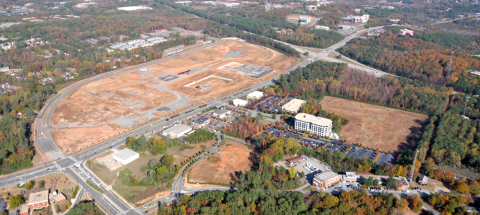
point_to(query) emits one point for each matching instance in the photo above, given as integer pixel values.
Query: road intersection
(73, 164)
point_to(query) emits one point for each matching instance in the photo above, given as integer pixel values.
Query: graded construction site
(111, 105)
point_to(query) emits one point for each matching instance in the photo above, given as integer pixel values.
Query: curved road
(67, 164)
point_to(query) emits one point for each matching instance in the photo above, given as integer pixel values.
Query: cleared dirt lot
(113, 104)
(70, 140)
(375, 126)
(234, 158)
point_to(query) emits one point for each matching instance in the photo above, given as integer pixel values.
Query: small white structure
(177, 131)
(358, 10)
(126, 156)
(406, 32)
(321, 27)
(255, 95)
(240, 102)
(133, 8)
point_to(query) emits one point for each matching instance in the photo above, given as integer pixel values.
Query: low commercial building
(356, 19)
(347, 27)
(177, 131)
(38, 200)
(316, 125)
(293, 106)
(350, 177)
(173, 50)
(292, 161)
(200, 122)
(240, 102)
(255, 95)
(321, 27)
(406, 32)
(126, 156)
(325, 179)
(221, 113)
(401, 183)
(424, 180)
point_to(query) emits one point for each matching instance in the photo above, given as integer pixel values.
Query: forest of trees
(200, 136)
(273, 202)
(335, 79)
(243, 128)
(264, 26)
(18, 112)
(218, 30)
(423, 57)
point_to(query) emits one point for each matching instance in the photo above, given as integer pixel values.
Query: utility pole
(413, 167)
(449, 69)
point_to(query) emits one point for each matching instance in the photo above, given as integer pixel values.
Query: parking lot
(344, 186)
(309, 166)
(337, 145)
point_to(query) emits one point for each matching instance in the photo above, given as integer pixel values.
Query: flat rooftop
(313, 119)
(325, 176)
(35, 197)
(178, 129)
(126, 153)
(293, 105)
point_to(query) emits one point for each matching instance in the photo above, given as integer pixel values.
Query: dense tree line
(331, 78)
(274, 202)
(422, 57)
(218, 30)
(456, 142)
(448, 204)
(200, 135)
(18, 112)
(243, 128)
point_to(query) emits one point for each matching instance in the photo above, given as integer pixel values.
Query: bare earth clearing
(233, 159)
(375, 126)
(110, 105)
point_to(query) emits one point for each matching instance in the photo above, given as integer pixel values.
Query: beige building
(37, 200)
(293, 106)
(316, 125)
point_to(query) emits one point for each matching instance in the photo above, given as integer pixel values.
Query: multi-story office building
(316, 125)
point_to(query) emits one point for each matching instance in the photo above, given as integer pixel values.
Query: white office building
(126, 156)
(240, 102)
(177, 131)
(255, 95)
(316, 125)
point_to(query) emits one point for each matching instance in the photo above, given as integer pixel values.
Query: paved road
(65, 163)
(44, 137)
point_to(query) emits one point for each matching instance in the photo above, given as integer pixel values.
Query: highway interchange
(74, 164)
